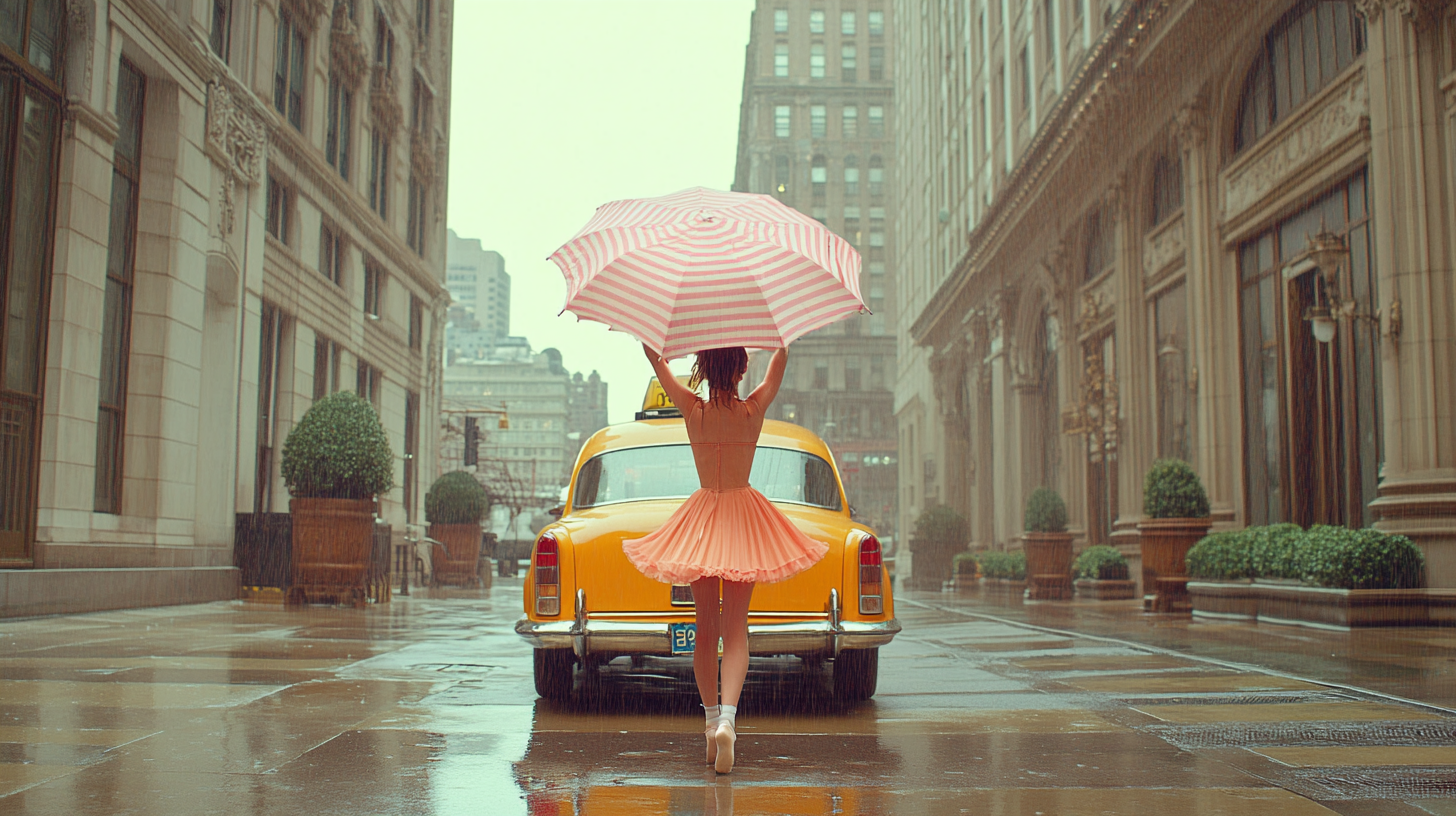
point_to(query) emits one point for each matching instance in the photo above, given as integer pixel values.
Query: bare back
(724, 435)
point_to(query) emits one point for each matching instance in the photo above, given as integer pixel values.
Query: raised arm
(764, 394)
(676, 391)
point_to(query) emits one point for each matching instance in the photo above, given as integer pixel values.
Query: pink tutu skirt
(736, 535)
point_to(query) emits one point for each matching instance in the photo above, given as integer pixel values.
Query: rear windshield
(667, 472)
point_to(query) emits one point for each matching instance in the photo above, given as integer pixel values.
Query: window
(415, 230)
(877, 23)
(782, 120)
(120, 274)
(851, 175)
(851, 373)
(1025, 79)
(338, 137)
(821, 214)
(877, 63)
(851, 224)
(877, 214)
(331, 254)
(271, 358)
(781, 174)
(422, 21)
(877, 239)
(1098, 255)
(279, 206)
(816, 21)
(326, 359)
(781, 21)
(422, 104)
(383, 42)
(877, 121)
(848, 54)
(821, 375)
(877, 373)
(288, 71)
(379, 173)
(846, 24)
(367, 383)
(818, 114)
(373, 288)
(850, 129)
(1167, 188)
(877, 176)
(221, 39)
(42, 30)
(781, 59)
(1049, 28)
(416, 323)
(818, 176)
(1301, 55)
(411, 452)
(816, 60)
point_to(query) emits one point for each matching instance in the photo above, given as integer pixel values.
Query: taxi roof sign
(656, 404)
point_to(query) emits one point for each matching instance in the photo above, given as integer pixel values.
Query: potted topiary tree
(940, 533)
(336, 460)
(454, 506)
(1176, 510)
(1048, 547)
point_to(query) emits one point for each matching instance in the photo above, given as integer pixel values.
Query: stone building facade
(227, 209)
(816, 129)
(1175, 231)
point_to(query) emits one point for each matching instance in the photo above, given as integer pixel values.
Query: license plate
(683, 637)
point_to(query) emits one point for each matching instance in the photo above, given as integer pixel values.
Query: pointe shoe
(724, 737)
(712, 743)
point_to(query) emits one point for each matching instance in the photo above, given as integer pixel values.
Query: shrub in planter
(335, 461)
(1004, 565)
(1101, 563)
(964, 563)
(456, 498)
(1276, 551)
(1172, 490)
(940, 532)
(1360, 559)
(1223, 556)
(1045, 512)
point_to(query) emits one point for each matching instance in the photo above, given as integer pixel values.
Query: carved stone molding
(79, 31)
(348, 55)
(1191, 125)
(384, 100)
(227, 220)
(422, 155)
(306, 13)
(234, 136)
(1164, 248)
(1412, 9)
(1343, 114)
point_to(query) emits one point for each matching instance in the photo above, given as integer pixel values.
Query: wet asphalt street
(426, 706)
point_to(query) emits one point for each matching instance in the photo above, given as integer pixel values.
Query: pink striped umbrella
(704, 269)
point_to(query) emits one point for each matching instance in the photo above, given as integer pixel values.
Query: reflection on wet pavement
(426, 706)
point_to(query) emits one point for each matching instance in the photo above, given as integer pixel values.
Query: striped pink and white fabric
(703, 269)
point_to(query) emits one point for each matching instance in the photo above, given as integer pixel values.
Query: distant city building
(480, 289)
(586, 403)
(815, 131)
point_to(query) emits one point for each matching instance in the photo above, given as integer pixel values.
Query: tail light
(546, 572)
(871, 577)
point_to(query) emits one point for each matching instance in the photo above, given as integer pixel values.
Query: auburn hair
(720, 367)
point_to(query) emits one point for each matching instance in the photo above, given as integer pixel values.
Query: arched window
(1167, 188)
(851, 175)
(1302, 53)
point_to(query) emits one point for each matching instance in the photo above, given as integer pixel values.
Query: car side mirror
(557, 510)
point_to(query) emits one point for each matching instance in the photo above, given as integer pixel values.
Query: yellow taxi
(586, 604)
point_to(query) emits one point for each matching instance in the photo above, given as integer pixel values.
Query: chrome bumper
(633, 637)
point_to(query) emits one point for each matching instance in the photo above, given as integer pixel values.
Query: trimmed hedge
(1320, 556)
(456, 498)
(940, 527)
(338, 451)
(1045, 512)
(1101, 562)
(1171, 489)
(995, 564)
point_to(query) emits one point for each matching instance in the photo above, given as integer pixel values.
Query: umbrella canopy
(704, 269)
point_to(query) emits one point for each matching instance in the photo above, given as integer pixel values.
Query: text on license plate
(683, 637)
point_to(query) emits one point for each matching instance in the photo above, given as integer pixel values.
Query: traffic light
(472, 442)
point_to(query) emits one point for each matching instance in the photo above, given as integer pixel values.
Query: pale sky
(559, 106)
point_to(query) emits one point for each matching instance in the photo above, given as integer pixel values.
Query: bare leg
(736, 596)
(705, 656)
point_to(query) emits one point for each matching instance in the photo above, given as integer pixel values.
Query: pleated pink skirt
(736, 535)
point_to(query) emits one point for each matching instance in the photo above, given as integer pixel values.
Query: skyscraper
(815, 132)
(480, 289)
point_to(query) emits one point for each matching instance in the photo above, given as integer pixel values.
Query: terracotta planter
(1103, 589)
(1164, 544)
(332, 543)
(1048, 565)
(460, 567)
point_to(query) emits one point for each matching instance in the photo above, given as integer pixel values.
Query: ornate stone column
(1006, 428)
(1213, 323)
(1131, 435)
(948, 377)
(1413, 254)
